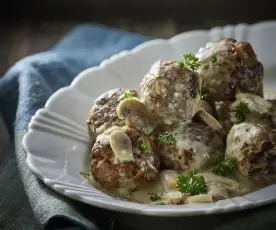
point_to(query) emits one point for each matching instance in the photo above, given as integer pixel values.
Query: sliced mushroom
(209, 120)
(121, 146)
(172, 198)
(202, 198)
(136, 115)
(168, 179)
(220, 187)
(206, 106)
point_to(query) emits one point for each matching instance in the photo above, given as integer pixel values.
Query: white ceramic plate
(57, 142)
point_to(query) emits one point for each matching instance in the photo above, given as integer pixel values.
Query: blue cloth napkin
(23, 90)
(25, 202)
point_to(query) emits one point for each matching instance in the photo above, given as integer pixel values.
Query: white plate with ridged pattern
(57, 142)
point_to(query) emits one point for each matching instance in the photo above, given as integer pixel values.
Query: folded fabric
(23, 90)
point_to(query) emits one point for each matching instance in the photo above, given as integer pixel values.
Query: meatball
(246, 107)
(192, 145)
(123, 158)
(170, 92)
(103, 113)
(254, 148)
(228, 66)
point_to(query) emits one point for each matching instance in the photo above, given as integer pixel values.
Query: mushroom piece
(121, 146)
(136, 115)
(202, 198)
(172, 198)
(220, 187)
(210, 121)
(168, 180)
(206, 106)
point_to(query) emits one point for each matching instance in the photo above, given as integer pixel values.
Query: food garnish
(225, 167)
(190, 61)
(214, 60)
(241, 111)
(144, 148)
(203, 93)
(125, 95)
(191, 183)
(86, 175)
(166, 138)
(155, 197)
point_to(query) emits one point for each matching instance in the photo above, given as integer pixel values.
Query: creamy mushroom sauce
(199, 138)
(143, 194)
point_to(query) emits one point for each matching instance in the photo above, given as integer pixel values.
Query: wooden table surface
(22, 37)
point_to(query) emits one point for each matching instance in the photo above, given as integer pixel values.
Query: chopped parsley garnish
(203, 93)
(86, 175)
(219, 158)
(192, 183)
(144, 148)
(125, 95)
(155, 197)
(225, 167)
(214, 60)
(241, 111)
(166, 138)
(190, 61)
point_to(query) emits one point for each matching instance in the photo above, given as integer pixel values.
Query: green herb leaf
(204, 92)
(241, 111)
(86, 175)
(192, 183)
(219, 158)
(144, 148)
(225, 167)
(155, 197)
(214, 60)
(166, 138)
(125, 95)
(190, 61)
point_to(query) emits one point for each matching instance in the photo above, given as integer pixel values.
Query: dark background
(30, 26)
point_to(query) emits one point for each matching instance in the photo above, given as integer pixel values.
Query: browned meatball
(103, 113)
(254, 148)
(192, 145)
(246, 107)
(171, 92)
(123, 158)
(228, 66)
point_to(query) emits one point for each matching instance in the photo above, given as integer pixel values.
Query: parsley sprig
(241, 111)
(213, 60)
(190, 61)
(192, 183)
(225, 167)
(166, 138)
(155, 197)
(86, 175)
(125, 95)
(144, 148)
(204, 92)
